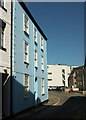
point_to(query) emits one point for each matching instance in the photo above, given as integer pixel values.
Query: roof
(31, 17)
(59, 64)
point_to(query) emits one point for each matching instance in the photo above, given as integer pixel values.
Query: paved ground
(60, 105)
(71, 106)
(53, 100)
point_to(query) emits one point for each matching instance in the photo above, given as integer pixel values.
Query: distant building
(76, 78)
(5, 58)
(58, 75)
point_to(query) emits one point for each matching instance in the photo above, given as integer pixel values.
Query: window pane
(2, 38)
(42, 67)
(35, 34)
(26, 80)
(50, 73)
(25, 57)
(26, 91)
(49, 79)
(42, 59)
(26, 85)
(2, 3)
(42, 85)
(26, 24)
(35, 58)
(26, 53)
(63, 71)
(42, 62)
(41, 43)
(63, 76)
(35, 63)
(25, 47)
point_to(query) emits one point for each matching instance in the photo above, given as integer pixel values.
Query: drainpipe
(11, 62)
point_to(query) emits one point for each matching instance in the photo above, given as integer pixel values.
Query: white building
(5, 56)
(58, 75)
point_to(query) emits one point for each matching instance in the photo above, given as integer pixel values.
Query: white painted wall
(56, 75)
(5, 56)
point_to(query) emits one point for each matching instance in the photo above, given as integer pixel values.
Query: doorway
(5, 95)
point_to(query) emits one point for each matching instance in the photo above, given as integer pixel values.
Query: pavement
(52, 101)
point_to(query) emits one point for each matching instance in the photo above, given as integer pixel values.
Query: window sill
(43, 94)
(36, 67)
(4, 49)
(26, 63)
(42, 71)
(4, 8)
(42, 50)
(27, 34)
(35, 79)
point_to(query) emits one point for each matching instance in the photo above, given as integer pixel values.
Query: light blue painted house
(29, 60)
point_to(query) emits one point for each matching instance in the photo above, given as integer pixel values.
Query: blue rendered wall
(39, 73)
(19, 68)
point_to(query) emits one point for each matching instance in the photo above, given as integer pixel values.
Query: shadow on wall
(19, 102)
(5, 94)
(23, 97)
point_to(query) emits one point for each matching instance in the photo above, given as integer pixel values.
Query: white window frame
(42, 62)
(36, 65)
(26, 53)
(3, 3)
(26, 26)
(2, 40)
(35, 34)
(26, 85)
(42, 44)
(43, 87)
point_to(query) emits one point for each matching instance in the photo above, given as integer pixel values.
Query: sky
(63, 24)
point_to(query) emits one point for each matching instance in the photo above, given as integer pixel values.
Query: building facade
(76, 78)
(23, 60)
(29, 60)
(58, 75)
(5, 58)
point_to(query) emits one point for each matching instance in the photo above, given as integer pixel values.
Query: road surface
(71, 105)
